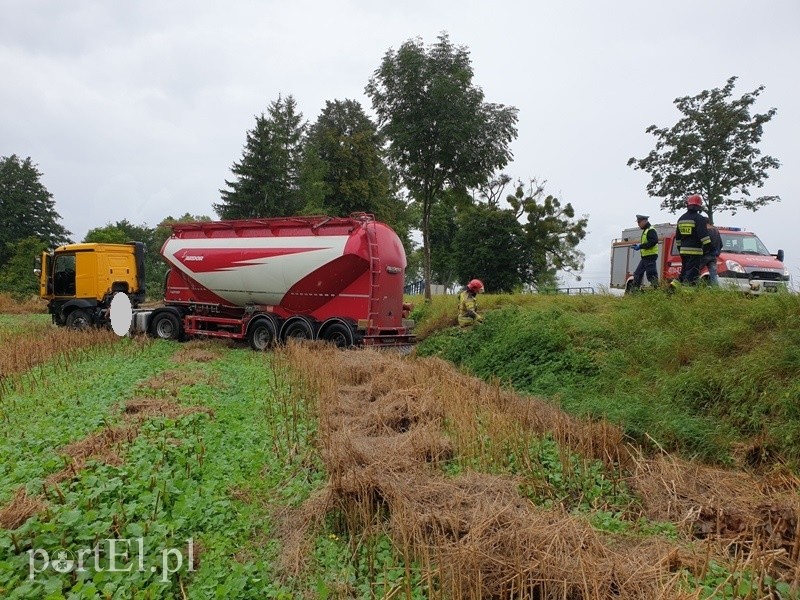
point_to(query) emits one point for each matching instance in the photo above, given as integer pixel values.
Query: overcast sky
(137, 110)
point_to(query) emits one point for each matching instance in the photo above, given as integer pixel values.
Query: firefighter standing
(648, 250)
(468, 304)
(693, 240)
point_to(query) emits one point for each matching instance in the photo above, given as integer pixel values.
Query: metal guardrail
(571, 291)
(417, 288)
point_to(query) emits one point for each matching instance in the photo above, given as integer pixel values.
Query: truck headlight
(734, 266)
(786, 271)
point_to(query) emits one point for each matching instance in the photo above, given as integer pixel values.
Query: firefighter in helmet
(692, 239)
(468, 304)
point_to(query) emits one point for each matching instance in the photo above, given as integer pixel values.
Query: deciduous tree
(551, 230)
(16, 276)
(491, 244)
(440, 131)
(712, 150)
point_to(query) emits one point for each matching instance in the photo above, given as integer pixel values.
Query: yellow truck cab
(79, 280)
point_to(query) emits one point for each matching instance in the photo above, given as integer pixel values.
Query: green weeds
(699, 372)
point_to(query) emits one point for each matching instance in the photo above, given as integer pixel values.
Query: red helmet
(694, 200)
(476, 285)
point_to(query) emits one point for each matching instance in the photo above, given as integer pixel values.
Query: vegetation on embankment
(704, 372)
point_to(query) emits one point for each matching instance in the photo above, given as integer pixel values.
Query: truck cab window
(64, 275)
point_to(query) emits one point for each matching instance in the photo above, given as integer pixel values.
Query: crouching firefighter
(468, 304)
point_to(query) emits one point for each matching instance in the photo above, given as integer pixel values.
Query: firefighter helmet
(694, 200)
(475, 286)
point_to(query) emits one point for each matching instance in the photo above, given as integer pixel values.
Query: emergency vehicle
(744, 263)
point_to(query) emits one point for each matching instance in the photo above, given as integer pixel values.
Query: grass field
(707, 373)
(205, 470)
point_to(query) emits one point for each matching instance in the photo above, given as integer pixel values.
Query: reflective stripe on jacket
(692, 237)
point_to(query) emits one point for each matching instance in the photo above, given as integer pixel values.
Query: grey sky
(137, 110)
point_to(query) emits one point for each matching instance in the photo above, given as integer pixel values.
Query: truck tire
(78, 319)
(339, 334)
(261, 335)
(166, 326)
(298, 328)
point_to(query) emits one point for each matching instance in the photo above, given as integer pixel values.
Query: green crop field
(580, 448)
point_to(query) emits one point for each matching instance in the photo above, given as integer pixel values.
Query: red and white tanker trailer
(265, 280)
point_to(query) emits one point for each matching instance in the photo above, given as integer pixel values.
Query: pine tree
(27, 209)
(267, 176)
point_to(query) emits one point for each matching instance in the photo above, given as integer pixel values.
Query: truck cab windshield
(743, 244)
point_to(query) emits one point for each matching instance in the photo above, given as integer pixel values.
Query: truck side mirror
(37, 266)
(780, 255)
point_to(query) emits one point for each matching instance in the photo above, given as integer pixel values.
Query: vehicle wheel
(261, 335)
(78, 319)
(166, 326)
(299, 329)
(339, 334)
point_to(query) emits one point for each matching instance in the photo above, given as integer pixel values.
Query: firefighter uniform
(648, 251)
(693, 241)
(468, 309)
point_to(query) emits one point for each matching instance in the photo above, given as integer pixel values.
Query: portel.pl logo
(111, 556)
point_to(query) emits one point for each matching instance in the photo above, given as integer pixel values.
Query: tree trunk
(426, 251)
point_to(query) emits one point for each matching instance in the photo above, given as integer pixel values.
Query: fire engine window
(64, 275)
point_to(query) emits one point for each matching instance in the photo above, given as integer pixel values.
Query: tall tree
(27, 209)
(344, 171)
(552, 232)
(441, 133)
(711, 150)
(267, 176)
(347, 142)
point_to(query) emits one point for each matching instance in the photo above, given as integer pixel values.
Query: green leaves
(267, 176)
(441, 133)
(27, 209)
(712, 150)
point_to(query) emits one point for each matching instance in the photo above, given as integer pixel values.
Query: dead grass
(21, 508)
(743, 511)
(386, 423)
(170, 383)
(106, 445)
(197, 351)
(31, 305)
(143, 409)
(43, 342)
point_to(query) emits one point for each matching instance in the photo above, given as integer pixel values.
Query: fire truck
(261, 280)
(744, 264)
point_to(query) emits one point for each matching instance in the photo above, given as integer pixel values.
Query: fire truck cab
(744, 264)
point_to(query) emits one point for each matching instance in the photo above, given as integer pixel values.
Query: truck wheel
(261, 335)
(78, 319)
(339, 334)
(166, 326)
(299, 329)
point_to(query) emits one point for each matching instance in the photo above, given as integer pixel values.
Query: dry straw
(387, 423)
